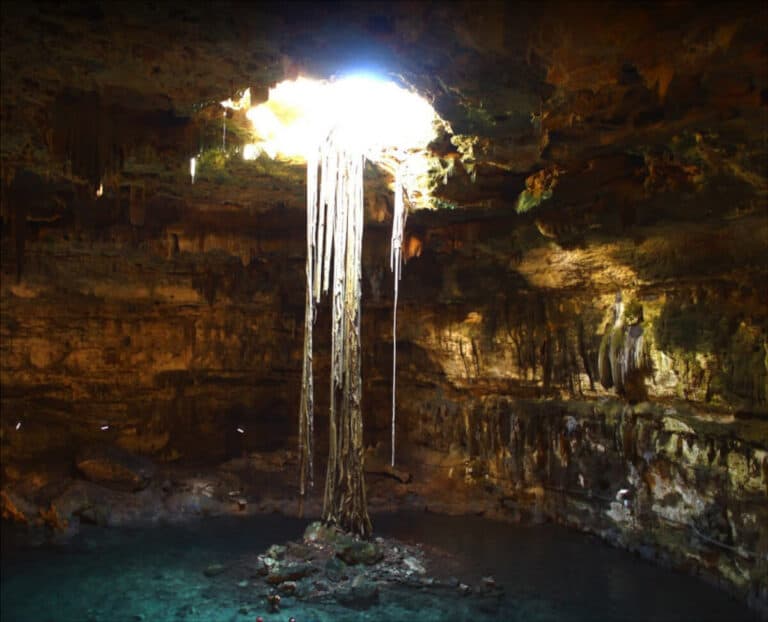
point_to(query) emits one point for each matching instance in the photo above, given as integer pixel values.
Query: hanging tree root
(335, 231)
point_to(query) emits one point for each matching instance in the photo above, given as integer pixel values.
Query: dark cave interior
(582, 331)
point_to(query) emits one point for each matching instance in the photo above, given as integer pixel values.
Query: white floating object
(104, 427)
(18, 425)
(241, 430)
(621, 493)
(192, 168)
(100, 190)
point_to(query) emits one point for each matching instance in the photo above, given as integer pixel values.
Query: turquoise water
(156, 575)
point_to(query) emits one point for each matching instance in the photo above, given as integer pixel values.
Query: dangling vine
(335, 234)
(396, 265)
(335, 220)
(334, 261)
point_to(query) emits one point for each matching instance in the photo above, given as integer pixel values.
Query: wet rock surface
(312, 572)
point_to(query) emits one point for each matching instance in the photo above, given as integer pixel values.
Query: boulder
(361, 594)
(489, 584)
(15, 508)
(276, 551)
(214, 570)
(115, 468)
(279, 573)
(91, 502)
(335, 569)
(261, 567)
(191, 503)
(414, 565)
(321, 534)
(354, 551)
(299, 550)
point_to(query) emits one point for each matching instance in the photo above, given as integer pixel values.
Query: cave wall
(176, 335)
(163, 336)
(670, 482)
(157, 329)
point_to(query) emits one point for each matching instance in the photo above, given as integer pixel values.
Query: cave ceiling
(585, 123)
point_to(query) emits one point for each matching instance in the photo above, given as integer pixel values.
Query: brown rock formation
(596, 149)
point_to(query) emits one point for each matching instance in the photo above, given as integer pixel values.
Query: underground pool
(541, 573)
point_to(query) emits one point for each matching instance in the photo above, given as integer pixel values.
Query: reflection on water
(548, 574)
(579, 577)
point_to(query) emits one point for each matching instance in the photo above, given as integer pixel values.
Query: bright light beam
(367, 113)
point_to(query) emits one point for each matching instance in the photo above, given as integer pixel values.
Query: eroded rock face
(115, 468)
(669, 482)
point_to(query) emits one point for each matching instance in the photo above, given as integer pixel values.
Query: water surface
(156, 574)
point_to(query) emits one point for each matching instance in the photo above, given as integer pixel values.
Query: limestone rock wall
(162, 329)
(164, 338)
(170, 340)
(676, 484)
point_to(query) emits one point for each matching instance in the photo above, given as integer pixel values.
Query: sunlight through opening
(370, 114)
(389, 125)
(336, 126)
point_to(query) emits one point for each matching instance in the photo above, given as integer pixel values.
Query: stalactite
(334, 236)
(623, 357)
(583, 354)
(224, 131)
(20, 209)
(88, 136)
(136, 205)
(396, 264)
(306, 413)
(604, 359)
